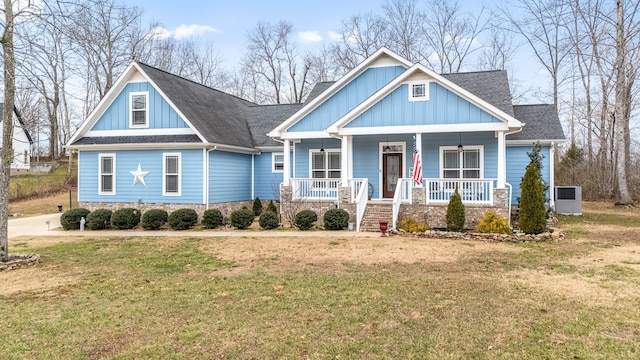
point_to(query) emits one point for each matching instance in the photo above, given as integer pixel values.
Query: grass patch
(601, 218)
(29, 186)
(631, 262)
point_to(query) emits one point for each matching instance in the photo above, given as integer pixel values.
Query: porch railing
(472, 191)
(360, 198)
(317, 189)
(401, 196)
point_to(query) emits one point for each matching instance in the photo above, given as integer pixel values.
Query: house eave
(424, 129)
(533, 141)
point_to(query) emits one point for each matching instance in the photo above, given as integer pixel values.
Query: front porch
(425, 203)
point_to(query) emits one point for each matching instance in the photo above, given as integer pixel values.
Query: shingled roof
(490, 86)
(218, 116)
(264, 118)
(541, 123)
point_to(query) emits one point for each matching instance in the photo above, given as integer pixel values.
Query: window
(139, 116)
(171, 171)
(419, 91)
(325, 164)
(465, 164)
(107, 174)
(277, 162)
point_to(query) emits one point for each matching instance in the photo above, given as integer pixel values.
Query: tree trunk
(6, 153)
(620, 111)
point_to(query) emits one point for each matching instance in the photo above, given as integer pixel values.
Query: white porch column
(552, 170)
(419, 148)
(502, 160)
(286, 168)
(344, 160)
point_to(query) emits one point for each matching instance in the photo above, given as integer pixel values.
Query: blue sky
(226, 23)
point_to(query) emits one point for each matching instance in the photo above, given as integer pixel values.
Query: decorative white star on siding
(138, 175)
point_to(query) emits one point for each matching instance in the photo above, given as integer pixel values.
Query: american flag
(417, 165)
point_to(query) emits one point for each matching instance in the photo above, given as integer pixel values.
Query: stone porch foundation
(226, 208)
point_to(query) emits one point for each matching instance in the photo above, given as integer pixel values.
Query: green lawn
(29, 186)
(132, 298)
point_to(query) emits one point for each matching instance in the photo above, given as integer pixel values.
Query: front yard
(322, 297)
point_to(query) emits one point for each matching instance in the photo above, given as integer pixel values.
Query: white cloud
(309, 36)
(158, 33)
(184, 31)
(335, 36)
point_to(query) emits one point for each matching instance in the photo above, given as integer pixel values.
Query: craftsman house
(21, 143)
(388, 138)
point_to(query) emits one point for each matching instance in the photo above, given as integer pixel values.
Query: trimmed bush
(412, 225)
(70, 219)
(532, 213)
(257, 207)
(212, 219)
(183, 219)
(304, 219)
(336, 219)
(493, 224)
(455, 212)
(269, 220)
(125, 219)
(99, 219)
(153, 219)
(272, 207)
(242, 218)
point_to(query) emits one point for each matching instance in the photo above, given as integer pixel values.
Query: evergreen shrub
(257, 206)
(491, 223)
(269, 220)
(532, 212)
(242, 218)
(212, 219)
(455, 212)
(304, 219)
(153, 219)
(336, 219)
(272, 207)
(125, 219)
(99, 219)
(183, 219)
(70, 219)
(412, 225)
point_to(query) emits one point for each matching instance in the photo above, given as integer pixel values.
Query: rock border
(18, 261)
(437, 234)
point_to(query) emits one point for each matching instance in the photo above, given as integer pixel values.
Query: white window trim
(273, 162)
(164, 174)
(466, 147)
(326, 169)
(146, 110)
(426, 90)
(113, 174)
(381, 146)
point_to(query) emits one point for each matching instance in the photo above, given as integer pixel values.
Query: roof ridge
(194, 82)
(540, 104)
(261, 105)
(473, 72)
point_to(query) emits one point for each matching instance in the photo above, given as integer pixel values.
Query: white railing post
(472, 191)
(361, 201)
(402, 195)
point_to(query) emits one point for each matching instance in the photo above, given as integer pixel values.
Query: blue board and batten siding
(151, 192)
(517, 162)
(266, 182)
(229, 177)
(161, 115)
(443, 108)
(370, 81)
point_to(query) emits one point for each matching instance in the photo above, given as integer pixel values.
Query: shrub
(70, 219)
(183, 219)
(455, 212)
(336, 219)
(99, 219)
(304, 219)
(269, 220)
(242, 218)
(493, 224)
(212, 219)
(153, 219)
(532, 212)
(272, 207)
(257, 207)
(412, 225)
(125, 219)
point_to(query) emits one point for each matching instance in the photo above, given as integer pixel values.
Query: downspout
(206, 185)
(253, 176)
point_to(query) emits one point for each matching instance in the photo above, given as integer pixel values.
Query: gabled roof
(508, 119)
(542, 123)
(491, 86)
(380, 55)
(20, 120)
(217, 116)
(318, 89)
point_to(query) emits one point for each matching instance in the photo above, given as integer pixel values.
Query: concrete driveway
(34, 225)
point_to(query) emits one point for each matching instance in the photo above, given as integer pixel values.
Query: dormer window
(419, 91)
(139, 110)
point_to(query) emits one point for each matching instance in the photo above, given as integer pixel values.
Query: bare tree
(498, 51)
(6, 153)
(404, 20)
(362, 35)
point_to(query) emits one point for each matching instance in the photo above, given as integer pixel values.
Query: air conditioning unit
(568, 200)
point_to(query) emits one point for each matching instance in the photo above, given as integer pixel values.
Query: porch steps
(374, 213)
